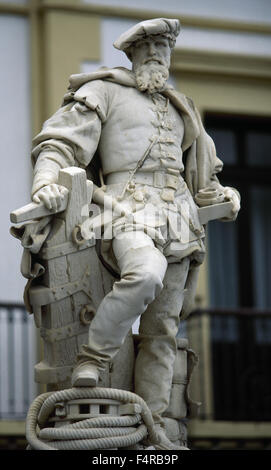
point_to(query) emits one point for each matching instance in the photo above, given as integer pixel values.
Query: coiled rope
(103, 432)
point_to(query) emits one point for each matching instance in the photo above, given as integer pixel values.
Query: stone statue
(154, 171)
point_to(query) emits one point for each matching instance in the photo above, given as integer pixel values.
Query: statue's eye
(161, 43)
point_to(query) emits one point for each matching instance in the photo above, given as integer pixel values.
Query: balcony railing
(238, 370)
(239, 355)
(18, 355)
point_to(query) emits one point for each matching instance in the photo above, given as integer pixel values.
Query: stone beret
(169, 28)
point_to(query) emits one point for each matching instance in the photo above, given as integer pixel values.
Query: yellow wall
(68, 40)
(227, 94)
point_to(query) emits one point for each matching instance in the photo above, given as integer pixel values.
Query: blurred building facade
(222, 60)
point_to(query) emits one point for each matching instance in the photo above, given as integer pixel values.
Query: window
(240, 271)
(243, 248)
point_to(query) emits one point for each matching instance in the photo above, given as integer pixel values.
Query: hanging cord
(103, 432)
(140, 163)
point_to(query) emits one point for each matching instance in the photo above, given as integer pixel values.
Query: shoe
(163, 442)
(85, 375)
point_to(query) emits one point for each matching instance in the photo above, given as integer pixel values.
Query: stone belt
(157, 179)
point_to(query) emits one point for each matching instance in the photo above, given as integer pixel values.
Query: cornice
(221, 63)
(137, 14)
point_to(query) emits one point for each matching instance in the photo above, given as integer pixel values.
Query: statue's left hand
(232, 196)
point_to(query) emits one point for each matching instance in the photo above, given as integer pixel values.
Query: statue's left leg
(157, 341)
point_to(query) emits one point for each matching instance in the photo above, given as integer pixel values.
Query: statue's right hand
(51, 196)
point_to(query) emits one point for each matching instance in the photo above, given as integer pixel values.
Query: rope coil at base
(103, 432)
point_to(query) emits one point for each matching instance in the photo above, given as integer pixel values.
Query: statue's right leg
(142, 268)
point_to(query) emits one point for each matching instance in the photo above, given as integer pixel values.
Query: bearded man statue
(154, 152)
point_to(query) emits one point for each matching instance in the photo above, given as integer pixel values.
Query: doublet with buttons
(168, 133)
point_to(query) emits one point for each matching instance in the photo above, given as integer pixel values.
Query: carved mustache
(153, 59)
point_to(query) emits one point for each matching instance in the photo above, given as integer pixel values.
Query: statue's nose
(152, 50)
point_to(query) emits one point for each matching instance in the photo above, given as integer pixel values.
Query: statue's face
(151, 50)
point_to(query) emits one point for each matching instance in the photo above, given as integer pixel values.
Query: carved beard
(151, 77)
